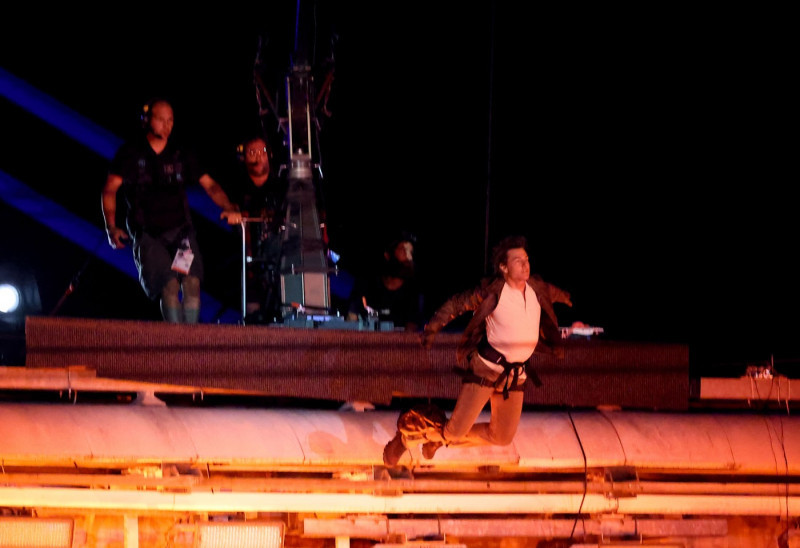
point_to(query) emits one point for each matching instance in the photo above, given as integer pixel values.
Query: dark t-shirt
(154, 186)
(266, 201)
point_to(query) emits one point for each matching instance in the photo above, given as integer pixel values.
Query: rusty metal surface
(347, 365)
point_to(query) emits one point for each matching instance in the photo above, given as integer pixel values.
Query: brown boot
(429, 448)
(394, 450)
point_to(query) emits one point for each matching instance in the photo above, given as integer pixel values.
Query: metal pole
(243, 224)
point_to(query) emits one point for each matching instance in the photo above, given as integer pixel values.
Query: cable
(73, 285)
(585, 480)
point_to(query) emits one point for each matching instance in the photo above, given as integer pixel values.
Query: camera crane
(305, 258)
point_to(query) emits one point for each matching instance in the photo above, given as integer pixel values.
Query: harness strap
(469, 376)
(488, 352)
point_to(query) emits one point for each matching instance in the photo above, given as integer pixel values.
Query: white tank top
(513, 326)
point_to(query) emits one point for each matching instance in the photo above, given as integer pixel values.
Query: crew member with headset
(151, 173)
(261, 197)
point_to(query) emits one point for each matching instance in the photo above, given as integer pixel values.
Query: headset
(147, 108)
(240, 148)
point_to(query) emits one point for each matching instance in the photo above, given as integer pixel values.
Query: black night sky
(643, 153)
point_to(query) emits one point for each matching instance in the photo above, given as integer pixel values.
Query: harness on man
(511, 370)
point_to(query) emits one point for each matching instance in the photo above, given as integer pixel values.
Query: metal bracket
(621, 482)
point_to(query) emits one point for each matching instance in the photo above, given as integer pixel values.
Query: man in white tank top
(513, 319)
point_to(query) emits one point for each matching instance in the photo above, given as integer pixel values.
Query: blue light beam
(81, 129)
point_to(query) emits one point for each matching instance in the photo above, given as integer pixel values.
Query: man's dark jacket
(483, 300)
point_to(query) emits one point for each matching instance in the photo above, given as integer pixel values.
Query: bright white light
(36, 533)
(9, 298)
(252, 534)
